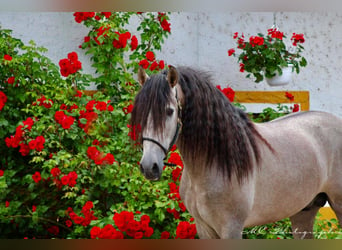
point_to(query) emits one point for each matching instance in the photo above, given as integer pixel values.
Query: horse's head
(157, 111)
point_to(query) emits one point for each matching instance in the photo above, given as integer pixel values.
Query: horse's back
(314, 136)
(305, 159)
(323, 128)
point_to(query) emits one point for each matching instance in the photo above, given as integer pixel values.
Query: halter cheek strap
(175, 137)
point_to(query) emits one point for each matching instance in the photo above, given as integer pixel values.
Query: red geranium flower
(175, 158)
(73, 56)
(78, 93)
(154, 66)
(110, 108)
(231, 52)
(242, 67)
(185, 230)
(32, 144)
(228, 92)
(70, 65)
(166, 25)
(3, 100)
(24, 149)
(87, 206)
(289, 96)
(106, 14)
(55, 172)
(256, 40)
(134, 131)
(83, 16)
(138, 235)
(8, 57)
(64, 120)
(165, 235)
(101, 106)
(95, 232)
(11, 80)
(90, 105)
(134, 43)
(176, 174)
(108, 159)
(148, 232)
(150, 56)
(122, 41)
(90, 116)
(64, 63)
(29, 123)
(128, 109)
(65, 180)
(36, 177)
(295, 108)
(53, 230)
(144, 63)
(297, 38)
(68, 223)
(274, 33)
(241, 43)
(69, 179)
(161, 64)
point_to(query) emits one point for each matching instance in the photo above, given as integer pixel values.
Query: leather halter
(175, 137)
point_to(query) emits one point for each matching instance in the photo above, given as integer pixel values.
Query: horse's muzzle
(151, 173)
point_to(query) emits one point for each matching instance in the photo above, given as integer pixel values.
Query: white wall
(201, 39)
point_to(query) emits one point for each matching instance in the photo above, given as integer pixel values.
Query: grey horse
(238, 173)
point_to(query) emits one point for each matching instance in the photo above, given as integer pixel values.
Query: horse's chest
(192, 196)
(200, 199)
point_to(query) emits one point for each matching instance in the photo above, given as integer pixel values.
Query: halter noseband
(175, 137)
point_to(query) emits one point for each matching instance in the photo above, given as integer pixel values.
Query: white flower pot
(279, 80)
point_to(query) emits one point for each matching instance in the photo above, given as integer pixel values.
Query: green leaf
(303, 62)
(3, 122)
(3, 183)
(258, 77)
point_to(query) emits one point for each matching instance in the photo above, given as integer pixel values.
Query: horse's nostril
(155, 169)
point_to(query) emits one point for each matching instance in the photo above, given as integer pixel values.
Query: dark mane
(213, 129)
(152, 99)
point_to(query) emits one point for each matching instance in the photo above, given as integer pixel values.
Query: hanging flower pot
(280, 80)
(264, 54)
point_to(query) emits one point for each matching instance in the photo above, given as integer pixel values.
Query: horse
(237, 173)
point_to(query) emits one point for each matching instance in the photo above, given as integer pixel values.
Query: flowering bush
(265, 55)
(68, 169)
(109, 43)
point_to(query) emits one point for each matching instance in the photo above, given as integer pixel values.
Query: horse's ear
(142, 76)
(172, 76)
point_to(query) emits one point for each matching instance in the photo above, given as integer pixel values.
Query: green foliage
(269, 114)
(323, 229)
(68, 164)
(278, 230)
(327, 229)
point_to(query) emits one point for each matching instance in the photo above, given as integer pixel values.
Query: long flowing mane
(214, 131)
(152, 99)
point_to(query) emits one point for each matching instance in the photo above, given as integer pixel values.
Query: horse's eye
(169, 112)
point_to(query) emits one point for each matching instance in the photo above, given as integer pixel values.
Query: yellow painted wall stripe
(274, 97)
